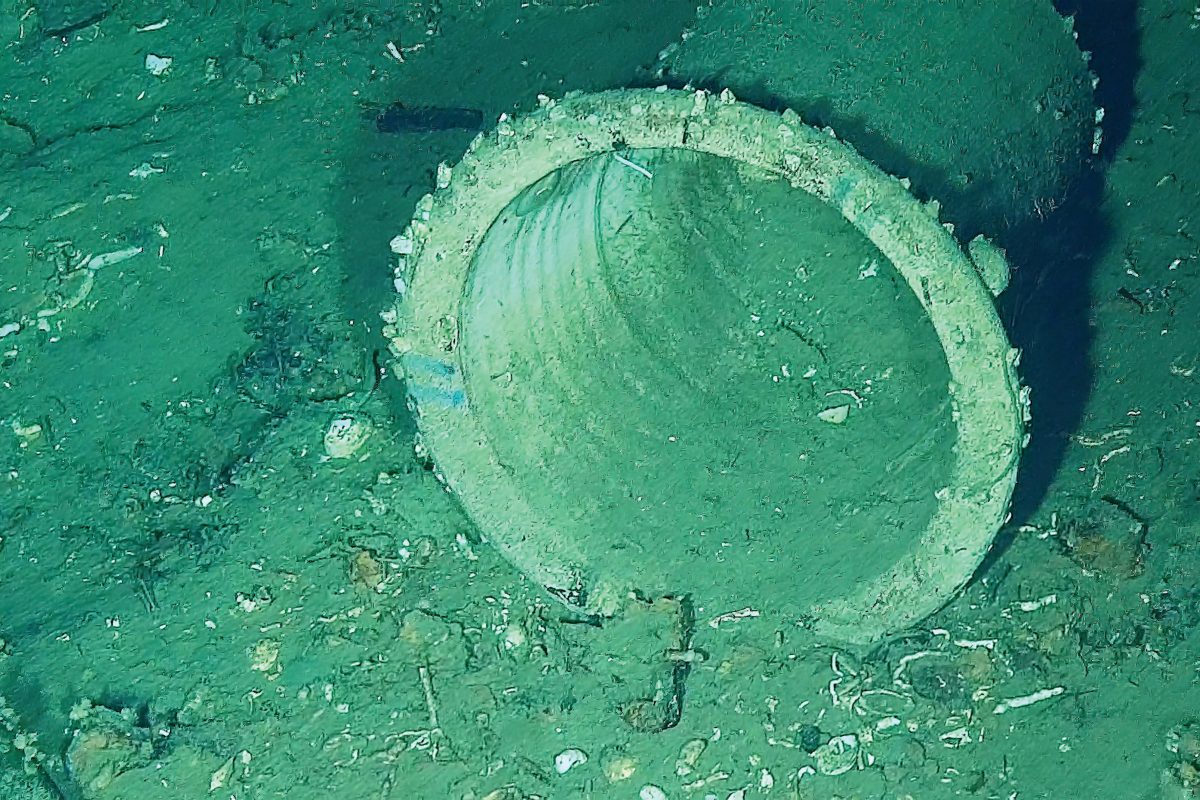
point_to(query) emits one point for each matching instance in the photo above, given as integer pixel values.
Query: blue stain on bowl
(433, 381)
(842, 188)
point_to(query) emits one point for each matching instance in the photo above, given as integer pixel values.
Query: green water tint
(106, 596)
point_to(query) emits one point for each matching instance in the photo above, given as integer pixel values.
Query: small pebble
(652, 792)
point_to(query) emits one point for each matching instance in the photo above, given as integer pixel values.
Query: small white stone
(571, 757)
(514, 637)
(27, 432)
(652, 792)
(401, 245)
(836, 415)
(157, 65)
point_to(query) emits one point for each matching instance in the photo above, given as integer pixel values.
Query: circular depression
(712, 372)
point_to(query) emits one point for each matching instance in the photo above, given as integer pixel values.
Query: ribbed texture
(625, 344)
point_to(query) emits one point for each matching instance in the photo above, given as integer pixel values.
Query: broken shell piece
(837, 756)
(347, 433)
(571, 757)
(836, 415)
(27, 433)
(264, 657)
(220, 776)
(689, 754)
(75, 287)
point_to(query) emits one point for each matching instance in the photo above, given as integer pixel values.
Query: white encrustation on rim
(604, 423)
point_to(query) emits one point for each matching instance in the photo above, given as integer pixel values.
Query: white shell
(346, 434)
(571, 757)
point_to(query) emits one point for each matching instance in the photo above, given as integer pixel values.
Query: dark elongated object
(399, 118)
